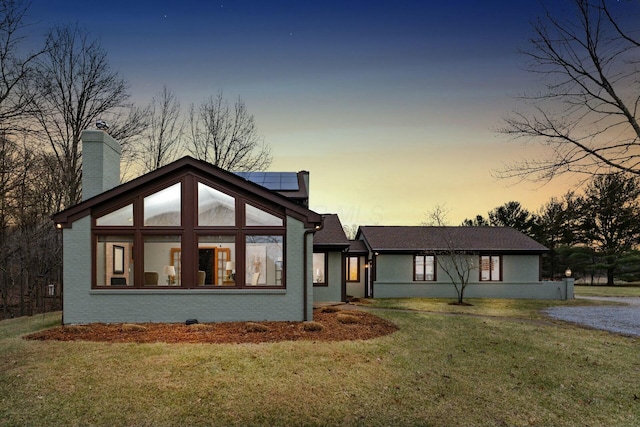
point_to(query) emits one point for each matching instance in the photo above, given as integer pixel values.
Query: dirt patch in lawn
(327, 325)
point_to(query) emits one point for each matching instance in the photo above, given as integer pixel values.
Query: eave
(175, 170)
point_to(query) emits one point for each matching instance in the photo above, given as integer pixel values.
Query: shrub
(347, 318)
(312, 326)
(201, 327)
(132, 327)
(256, 327)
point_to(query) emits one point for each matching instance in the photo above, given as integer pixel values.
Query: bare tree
(161, 142)
(15, 66)
(455, 261)
(75, 86)
(587, 114)
(127, 125)
(9, 161)
(350, 230)
(30, 250)
(226, 136)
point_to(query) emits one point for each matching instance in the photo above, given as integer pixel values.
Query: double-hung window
(490, 268)
(424, 268)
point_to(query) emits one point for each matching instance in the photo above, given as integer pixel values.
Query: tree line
(585, 116)
(48, 96)
(593, 233)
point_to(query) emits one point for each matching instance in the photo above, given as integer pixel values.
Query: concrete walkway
(621, 319)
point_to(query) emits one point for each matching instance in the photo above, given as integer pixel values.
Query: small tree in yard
(456, 262)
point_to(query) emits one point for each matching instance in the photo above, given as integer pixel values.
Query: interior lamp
(229, 268)
(170, 272)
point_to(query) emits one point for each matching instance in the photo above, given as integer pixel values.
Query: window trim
(259, 207)
(491, 279)
(255, 231)
(424, 272)
(326, 269)
(94, 266)
(189, 230)
(141, 205)
(112, 209)
(348, 265)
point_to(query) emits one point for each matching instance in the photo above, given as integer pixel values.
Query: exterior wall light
(567, 272)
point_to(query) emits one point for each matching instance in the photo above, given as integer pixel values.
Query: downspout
(306, 251)
(60, 237)
(372, 273)
(343, 274)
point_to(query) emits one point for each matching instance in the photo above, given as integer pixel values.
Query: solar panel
(277, 181)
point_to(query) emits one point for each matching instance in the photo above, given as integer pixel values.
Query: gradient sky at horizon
(391, 106)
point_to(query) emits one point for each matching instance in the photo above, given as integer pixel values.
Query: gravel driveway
(620, 319)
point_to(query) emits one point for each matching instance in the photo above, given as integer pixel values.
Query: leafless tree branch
(587, 116)
(226, 136)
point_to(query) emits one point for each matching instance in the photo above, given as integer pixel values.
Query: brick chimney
(100, 163)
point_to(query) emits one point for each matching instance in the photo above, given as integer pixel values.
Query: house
(339, 264)
(193, 241)
(186, 241)
(329, 248)
(412, 262)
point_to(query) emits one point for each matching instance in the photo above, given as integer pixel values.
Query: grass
(436, 370)
(608, 291)
(485, 307)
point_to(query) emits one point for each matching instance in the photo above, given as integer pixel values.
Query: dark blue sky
(377, 99)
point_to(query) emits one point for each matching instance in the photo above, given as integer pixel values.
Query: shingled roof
(475, 239)
(331, 234)
(357, 247)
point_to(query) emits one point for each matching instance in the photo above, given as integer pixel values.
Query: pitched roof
(181, 167)
(331, 233)
(476, 239)
(289, 184)
(357, 246)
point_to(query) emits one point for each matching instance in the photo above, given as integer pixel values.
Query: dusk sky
(391, 105)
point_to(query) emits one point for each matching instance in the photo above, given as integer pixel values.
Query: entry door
(213, 262)
(222, 256)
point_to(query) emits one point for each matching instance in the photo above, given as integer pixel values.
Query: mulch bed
(336, 326)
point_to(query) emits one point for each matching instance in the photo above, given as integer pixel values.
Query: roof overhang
(176, 169)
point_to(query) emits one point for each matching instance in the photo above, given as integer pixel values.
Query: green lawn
(608, 291)
(438, 369)
(530, 309)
